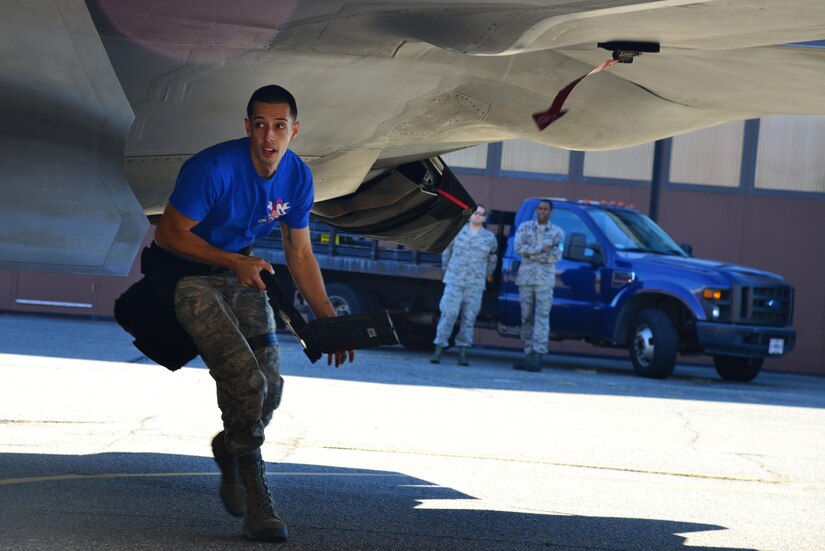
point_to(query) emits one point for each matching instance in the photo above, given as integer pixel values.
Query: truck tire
(652, 345)
(349, 299)
(734, 368)
(413, 336)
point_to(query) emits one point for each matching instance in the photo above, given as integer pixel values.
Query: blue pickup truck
(622, 283)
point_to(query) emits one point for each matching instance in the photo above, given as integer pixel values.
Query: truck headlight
(716, 303)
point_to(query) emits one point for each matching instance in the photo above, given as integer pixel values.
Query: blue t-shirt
(233, 205)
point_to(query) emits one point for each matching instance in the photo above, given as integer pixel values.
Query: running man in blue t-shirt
(225, 198)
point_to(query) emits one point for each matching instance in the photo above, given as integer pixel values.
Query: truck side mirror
(579, 250)
(688, 248)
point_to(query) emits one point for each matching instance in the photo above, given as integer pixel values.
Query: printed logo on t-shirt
(274, 211)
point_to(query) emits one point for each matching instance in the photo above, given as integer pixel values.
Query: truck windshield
(631, 231)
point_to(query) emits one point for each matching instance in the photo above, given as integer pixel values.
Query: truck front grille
(771, 306)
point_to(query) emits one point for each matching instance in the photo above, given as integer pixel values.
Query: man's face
(479, 215)
(543, 212)
(270, 131)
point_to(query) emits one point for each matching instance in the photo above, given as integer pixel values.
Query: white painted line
(27, 480)
(53, 303)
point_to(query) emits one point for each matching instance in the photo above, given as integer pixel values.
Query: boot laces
(264, 498)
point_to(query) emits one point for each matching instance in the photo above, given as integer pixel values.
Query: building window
(630, 163)
(523, 155)
(709, 157)
(472, 157)
(790, 157)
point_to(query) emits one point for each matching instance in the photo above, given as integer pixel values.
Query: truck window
(631, 231)
(574, 228)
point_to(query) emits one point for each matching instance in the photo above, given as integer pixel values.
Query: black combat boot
(462, 356)
(523, 365)
(436, 357)
(533, 362)
(233, 493)
(261, 522)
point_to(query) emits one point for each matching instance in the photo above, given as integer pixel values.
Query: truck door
(509, 311)
(578, 304)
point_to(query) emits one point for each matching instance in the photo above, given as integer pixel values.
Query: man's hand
(248, 269)
(341, 357)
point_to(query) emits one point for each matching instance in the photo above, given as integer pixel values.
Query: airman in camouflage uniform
(467, 262)
(538, 242)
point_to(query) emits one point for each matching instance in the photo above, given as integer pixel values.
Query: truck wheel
(734, 368)
(416, 337)
(348, 299)
(652, 344)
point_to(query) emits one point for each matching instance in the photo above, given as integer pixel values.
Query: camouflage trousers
(535, 301)
(458, 299)
(233, 328)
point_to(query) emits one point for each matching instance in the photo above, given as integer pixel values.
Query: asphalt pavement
(102, 449)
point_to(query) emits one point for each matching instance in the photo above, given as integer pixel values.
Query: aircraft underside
(104, 100)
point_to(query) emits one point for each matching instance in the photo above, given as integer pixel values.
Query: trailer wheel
(414, 336)
(734, 368)
(652, 344)
(348, 299)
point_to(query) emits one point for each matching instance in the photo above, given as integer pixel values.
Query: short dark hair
(482, 206)
(548, 201)
(273, 93)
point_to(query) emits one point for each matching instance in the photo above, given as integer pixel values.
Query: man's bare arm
(174, 233)
(305, 271)
(307, 275)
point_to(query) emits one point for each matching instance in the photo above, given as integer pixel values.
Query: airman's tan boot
(261, 522)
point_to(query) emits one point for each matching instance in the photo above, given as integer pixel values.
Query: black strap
(293, 320)
(262, 341)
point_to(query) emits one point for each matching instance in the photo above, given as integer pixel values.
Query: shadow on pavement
(157, 501)
(104, 340)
